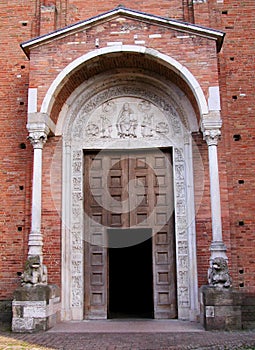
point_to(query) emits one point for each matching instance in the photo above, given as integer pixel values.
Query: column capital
(210, 126)
(38, 134)
(212, 136)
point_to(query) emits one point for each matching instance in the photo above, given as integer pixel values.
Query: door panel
(129, 190)
(95, 253)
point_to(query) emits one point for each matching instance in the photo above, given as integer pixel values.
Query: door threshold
(134, 316)
(127, 326)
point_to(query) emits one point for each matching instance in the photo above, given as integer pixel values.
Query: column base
(35, 308)
(220, 309)
(218, 250)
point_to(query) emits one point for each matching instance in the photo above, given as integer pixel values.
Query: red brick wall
(196, 53)
(77, 11)
(236, 68)
(51, 208)
(236, 158)
(15, 162)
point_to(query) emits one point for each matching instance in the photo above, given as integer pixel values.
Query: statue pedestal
(35, 308)
(221, 309)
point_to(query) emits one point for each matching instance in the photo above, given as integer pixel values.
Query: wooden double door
(129, 234)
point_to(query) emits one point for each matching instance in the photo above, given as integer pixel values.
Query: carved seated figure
(218, 274)
(35, 273)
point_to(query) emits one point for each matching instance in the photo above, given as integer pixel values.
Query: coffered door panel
(129, 190)
(95, 219)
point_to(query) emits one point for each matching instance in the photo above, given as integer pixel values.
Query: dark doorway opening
(130, 273)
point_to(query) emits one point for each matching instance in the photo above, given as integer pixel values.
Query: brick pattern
(15, 152)
(47, 61)
(237, 89)
(236, 150)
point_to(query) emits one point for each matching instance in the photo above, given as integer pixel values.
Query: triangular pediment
(118, 12)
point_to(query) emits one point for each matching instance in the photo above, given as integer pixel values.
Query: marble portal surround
(126, 113)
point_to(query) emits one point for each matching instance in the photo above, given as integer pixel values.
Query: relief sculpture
(35, 272)
(127, 122)
(147, 122)
(124, 118)
(108, 109)
(218, 274)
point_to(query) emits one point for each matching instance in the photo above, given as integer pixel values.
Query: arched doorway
(88, 122)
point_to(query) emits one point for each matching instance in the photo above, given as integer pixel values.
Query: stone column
(211, 133)
(219, 306)
(37, 136)
(35, 305)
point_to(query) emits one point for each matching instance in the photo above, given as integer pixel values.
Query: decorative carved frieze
(99, 117)
(76, 232)
(183, 296)
(181, 228)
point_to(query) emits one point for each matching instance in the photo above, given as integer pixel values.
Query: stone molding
(170, 62)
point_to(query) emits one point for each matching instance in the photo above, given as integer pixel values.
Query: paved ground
(124, 335)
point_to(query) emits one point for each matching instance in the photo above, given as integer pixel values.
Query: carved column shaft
(37, 137)
(218, 248)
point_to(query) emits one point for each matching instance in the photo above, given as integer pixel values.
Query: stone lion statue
(218, 274)
(35, 273)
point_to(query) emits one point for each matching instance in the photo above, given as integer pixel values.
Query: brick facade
(232, 69)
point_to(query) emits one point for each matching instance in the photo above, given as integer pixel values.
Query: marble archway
(162, 119)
